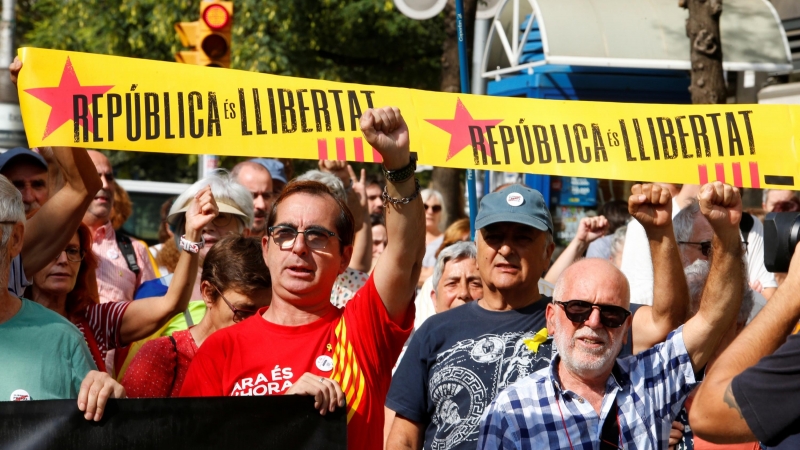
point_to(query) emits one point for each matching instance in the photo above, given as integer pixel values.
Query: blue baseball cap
(518, 204)
(274, 167)
(21, 153)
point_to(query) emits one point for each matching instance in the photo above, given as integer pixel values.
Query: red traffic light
(216, 17)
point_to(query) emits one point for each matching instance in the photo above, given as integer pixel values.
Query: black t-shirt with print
(457, 363)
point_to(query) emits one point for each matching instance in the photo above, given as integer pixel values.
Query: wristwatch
(192, 247)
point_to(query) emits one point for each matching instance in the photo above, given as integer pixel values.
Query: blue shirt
(649, 389)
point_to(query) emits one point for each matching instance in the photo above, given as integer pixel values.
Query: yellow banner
(108, 102)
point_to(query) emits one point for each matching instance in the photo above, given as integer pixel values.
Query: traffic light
(210, 37)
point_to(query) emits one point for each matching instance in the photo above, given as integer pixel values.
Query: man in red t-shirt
(302, 344)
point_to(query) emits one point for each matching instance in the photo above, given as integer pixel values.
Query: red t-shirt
(356, 346)
(157, 370)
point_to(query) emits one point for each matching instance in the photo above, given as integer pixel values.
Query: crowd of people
(322, 285)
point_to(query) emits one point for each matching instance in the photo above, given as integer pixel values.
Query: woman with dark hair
(68, 286)
(235, 283)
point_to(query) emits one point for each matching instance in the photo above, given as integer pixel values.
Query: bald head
(591, 278)
(257, 179)
(99, 211)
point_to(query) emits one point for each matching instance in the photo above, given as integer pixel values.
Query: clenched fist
(651, 205)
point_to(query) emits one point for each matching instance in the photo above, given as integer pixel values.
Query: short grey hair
(696, 277)
(11, 208)
(459, 250)
(331, 181)
(683, 223)
(223, 186)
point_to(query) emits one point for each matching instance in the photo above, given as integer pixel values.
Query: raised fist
(591, 228)
(721, 204)
(387, 132)
(651, 205)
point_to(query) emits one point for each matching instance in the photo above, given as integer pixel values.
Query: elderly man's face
(512, 255)
(776, 196)
(589, 349)
(103, 201)
(258, 181)
(702, 233)
(460, 284)
(31, 181)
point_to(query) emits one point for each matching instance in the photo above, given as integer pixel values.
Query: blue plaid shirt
(649, 389)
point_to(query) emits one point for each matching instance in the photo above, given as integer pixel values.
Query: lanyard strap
(607, 433)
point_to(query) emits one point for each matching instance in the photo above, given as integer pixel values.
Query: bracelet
(192, 247)
(403, 173)
(400, 201)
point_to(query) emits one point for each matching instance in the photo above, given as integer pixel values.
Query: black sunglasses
(434, 208)
(579, 311)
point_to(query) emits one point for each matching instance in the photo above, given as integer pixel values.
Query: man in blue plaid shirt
(588, 399)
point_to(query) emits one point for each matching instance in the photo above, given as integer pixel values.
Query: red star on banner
(60, 98)
(458, 127)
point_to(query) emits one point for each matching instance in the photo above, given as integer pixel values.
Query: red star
(458, 127)
(60, 98)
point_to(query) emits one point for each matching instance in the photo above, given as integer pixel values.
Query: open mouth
(300, 270)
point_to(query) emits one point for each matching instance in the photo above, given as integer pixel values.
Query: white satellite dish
(487, 9)
(420, 9)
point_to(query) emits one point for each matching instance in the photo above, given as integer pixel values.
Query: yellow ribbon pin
(533, 342)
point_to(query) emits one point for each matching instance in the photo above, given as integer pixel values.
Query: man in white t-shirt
(637, 264)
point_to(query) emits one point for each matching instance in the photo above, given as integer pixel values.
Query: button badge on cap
(515, 199)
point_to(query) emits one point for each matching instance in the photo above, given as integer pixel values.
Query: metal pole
(472, 194)
(7, 34)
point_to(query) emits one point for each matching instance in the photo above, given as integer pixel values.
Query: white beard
(587, 363)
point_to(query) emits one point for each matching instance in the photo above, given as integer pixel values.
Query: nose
(62, 258)
(27, 194)
(260, 203)
(463, 291)
(593, 321)
(300, 246)
(106, 184)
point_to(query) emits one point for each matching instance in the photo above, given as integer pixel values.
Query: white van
(147, 198)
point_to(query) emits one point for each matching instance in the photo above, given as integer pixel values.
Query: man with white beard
(587, 396)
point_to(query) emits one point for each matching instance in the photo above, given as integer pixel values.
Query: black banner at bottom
(239, 423)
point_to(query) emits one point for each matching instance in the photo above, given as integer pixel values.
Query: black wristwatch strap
(403, 173)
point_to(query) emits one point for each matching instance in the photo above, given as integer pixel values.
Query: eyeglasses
(238, 314)
(317, 238)
(222, 220)
(579, 311)
(434, 208)
(73, 254)
(705, 246)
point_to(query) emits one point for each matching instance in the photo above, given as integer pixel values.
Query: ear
(14, 245)
(550, 315)
(246, 232)
(628, 325)
(548, 253)
(208, 293)
(346, 255)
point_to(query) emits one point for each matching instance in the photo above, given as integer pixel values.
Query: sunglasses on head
(434, 208)
(579, 311)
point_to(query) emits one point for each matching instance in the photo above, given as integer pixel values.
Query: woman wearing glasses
(433, 203)
(68, 286)
(235, 283)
